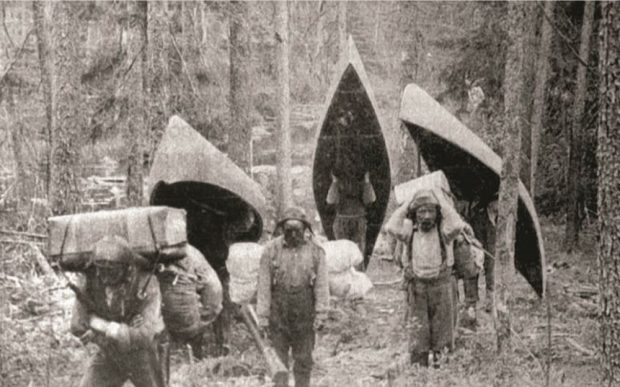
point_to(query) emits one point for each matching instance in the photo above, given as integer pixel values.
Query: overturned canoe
(355, 147)
(473, 170)
(224, 205)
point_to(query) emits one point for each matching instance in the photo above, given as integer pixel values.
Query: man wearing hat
(429, 280)
(120, 311)
(293, 292)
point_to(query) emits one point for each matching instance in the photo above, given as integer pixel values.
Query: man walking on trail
(120, 310)
(293, 292)
(192, 298)
(430, 282)
(351, 197)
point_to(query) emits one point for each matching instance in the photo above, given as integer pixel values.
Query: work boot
(302, 379)
(420, 358)
(488, 305)
(469, 317)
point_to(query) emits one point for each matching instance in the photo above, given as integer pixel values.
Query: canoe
(361, 147)
(473, 170)
(191, 173)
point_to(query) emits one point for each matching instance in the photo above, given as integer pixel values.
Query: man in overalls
(293, 292)
(430, 282)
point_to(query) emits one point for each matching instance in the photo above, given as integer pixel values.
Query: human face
(426, 217)
(111, 275)
(293, 232)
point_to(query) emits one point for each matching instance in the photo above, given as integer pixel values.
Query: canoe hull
(354, 148)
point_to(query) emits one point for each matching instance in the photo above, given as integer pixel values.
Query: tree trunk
(157, 77)
(409, 35)
(608, 193)
(342, 27)
(240, 135)
(17, 139)
(542, 73)
(320, 54)
(45, 62)
(576, 140)
(68, 114)
(135, 91)
(529, 76)
(283, 154)
(509, 183)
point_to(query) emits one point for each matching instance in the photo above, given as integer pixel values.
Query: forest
(88, 88)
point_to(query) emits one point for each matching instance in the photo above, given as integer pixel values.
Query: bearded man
(430, 282)
(293, 292)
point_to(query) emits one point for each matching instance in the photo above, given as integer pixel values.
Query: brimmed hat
(423, 198)
(294, 213)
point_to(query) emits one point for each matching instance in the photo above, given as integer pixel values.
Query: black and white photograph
(309, 193)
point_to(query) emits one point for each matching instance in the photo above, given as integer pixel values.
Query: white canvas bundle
(341, 255)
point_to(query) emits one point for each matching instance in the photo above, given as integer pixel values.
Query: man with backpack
(429, 281)
(293, 292)
(119, 309)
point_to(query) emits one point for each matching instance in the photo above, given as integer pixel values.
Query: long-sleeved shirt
(288, 267)
(351, 197)
(122, 306)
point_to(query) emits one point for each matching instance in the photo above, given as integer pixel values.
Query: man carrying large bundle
(430, 282)
(192, 298)
(293, 292)
(119, 309)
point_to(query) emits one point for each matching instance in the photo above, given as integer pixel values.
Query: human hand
(137, 321)
(408, 273)
(87, 337)
(319, 322)
(367, 177)
(97, 324)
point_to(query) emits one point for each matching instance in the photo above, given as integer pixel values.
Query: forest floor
(363, 345)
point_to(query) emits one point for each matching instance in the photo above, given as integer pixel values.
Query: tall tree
(529, 68)
(240, 136)
(576, 139)
(608, 193)
(45, 62)
(342, 26)
(67, 111)
(410, 42)
(283, 154)
(136, 67)
(542, 74)
(509, 184)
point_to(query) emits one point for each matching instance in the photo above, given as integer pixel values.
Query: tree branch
(16, 58)
(566, 39)
(186, 71)
(6, 30)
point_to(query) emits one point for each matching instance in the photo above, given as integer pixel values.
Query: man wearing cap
(429, 281)
(293, 292)
(120, 311)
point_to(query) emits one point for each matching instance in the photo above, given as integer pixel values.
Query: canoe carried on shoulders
(224, 205)
(473, 170)
(355, 145)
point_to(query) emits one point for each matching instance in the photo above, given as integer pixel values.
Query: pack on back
(156, 233)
